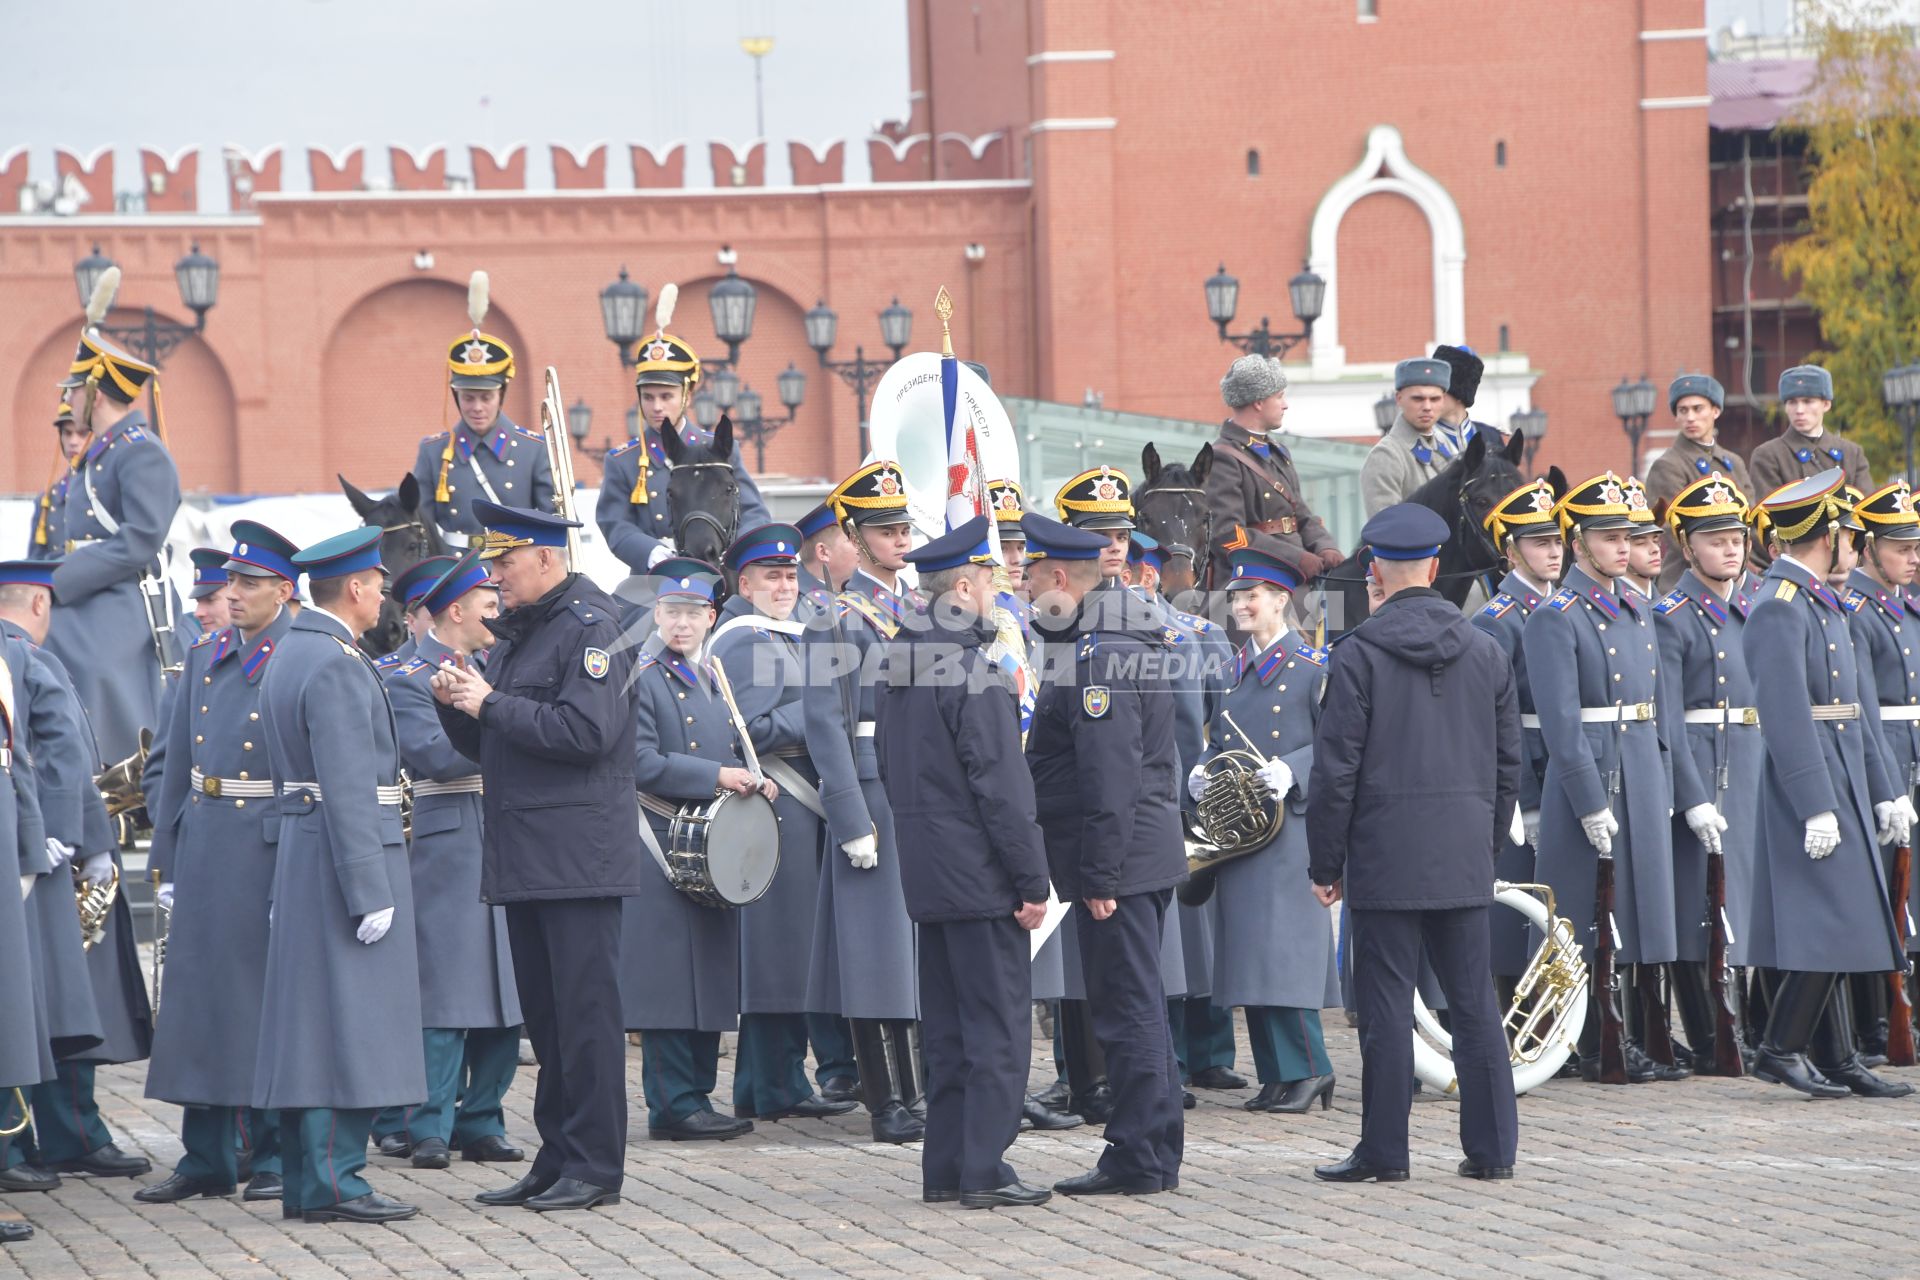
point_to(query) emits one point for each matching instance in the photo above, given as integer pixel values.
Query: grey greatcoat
(466, 966)
(1504, 618)
(1826, 915)
(217, 850)
(338, 1030)
(1588, 647)
(635, 519)
(679, 960)
(763, 664)
(1884, 626)
(1274, 941)
(510, 467)
(1702, 653)
(864, 962)
(118, 510)
(26, 1053)
(1201, 658)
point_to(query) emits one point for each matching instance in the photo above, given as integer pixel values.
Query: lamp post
(1307, 291)
(1385, 410)
(896, 330)
(732, 302)
(755, 425)
(580, 425)
(623, 314)
(1633, 404)
(151, 338)
(1532, 426)
(1900, 388)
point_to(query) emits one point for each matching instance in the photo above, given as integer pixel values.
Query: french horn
(95, 904)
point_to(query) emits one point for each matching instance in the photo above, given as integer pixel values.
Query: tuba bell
(120, 784)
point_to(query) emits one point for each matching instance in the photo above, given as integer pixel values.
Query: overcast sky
(416, 72)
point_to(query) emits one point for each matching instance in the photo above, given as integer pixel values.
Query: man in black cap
(948, 739)
(1106, 782)
(1456, 407)
(1405, 825)
(552, 728)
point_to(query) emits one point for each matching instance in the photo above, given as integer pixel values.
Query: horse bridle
(1199, 498)
(726, 531)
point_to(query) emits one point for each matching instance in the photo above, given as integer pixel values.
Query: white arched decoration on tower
(1386, 169)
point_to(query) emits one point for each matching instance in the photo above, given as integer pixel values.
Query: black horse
(1462, 495)
(703, 493)
(1171, 505)
(408, 536)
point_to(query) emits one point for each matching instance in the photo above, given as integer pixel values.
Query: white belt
(655, 804)
(1727, 715)
(1836, 711)
(864, 729)
(471, 784)
(230, 788)
(1900, 713)
(6, 757)
(1631, 712)
(383, 795)
(82, 542)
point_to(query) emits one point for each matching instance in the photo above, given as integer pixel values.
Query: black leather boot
(1870, 1001)
(1835, 1055)
(1693, 995)
(892, 1122)
(1796, 1002)
(1649, 1023)
(1640, 1069)
(903, 1044)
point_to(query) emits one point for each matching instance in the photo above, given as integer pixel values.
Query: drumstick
(720, 682)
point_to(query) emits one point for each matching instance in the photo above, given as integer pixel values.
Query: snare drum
(724, 853)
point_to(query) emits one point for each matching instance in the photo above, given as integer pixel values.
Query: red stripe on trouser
(1306, 1042)
(333, 1122)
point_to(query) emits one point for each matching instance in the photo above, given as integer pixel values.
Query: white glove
(98, 868)
(863, 852)
(1823, 835)
(1530, 820)
(60, 853)
(1883, 822)
(374, 925)
(164, 894)
(1706, 824)
(1278, 776)
(659, 553)
(1197, 781)
(1600, 829)
(26, 886)
(1902, 821)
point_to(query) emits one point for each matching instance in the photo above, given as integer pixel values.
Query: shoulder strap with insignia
(205, 638)
(1669, 602)
(1499, 606)
(1195, 621)
(1563, 599)
(1854, 600)
(622, 450)
(413, 668)
(1785, 590)
(876, 617)
(1306, 652)
(584, 612)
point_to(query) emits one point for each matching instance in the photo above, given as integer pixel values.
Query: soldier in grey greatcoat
(342, 980)
(97, 997)
(757, 643)
(1523, 526)
(487, 457)
(863, 944)
(26, 1053)
(1883, 624)
(1700, 624)
(1594, 668)
(1273, 941)
(1820, 904)
(118, 506)
(213, 849)
(633, 512)
(680, 959)
(1419, 446)
(469, 1006)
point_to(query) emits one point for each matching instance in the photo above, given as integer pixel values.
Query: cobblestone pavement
(1708, 1177)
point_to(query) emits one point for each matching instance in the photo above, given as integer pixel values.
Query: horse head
(1171, 505)
(703, 493)
(407, 536)
(1464, 494)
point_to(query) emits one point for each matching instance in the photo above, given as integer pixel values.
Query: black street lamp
(1633, 404)
(752, 421)
(623, 314)
(732, 302)
(1385, 410)
(1532, 426)
(151, 338)
(896, 330)
(1900, 388)
(1307, 291)
(580, 425)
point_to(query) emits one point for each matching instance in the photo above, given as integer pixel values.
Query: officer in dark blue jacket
(552, 727)
(975, 875)
(1106, 782)
(1404, 824)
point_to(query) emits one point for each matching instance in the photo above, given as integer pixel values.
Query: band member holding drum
(1416, 771)
(975, 873)
(1700, 624)
(1273, 943)
(551, 725)
(680, 959)
(1522, 525)
(757, 645)
(1820, 904)
(469, 1005)
(863, 942)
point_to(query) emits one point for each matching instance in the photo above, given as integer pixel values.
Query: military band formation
(770, 787)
